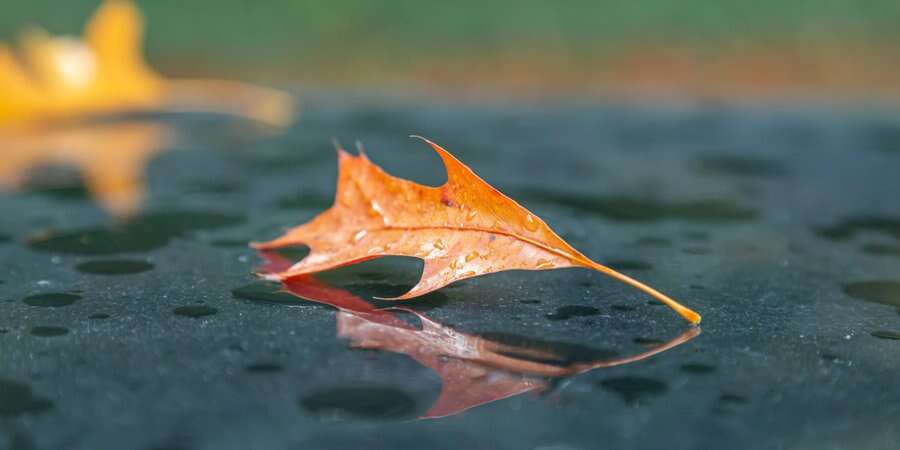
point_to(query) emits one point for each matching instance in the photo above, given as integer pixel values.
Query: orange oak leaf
(462, 229)
(55, 79)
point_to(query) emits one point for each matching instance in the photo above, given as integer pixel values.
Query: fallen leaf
(462, 229)
(473, 370)
(63, 78)
(55, 92)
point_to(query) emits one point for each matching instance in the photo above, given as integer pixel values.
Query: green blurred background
(693, 47)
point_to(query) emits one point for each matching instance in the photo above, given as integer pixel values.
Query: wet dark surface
(114, 267)
(152, 331)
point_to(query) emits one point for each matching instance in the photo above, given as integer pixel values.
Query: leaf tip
(692, 317)
(425, 140)
(361, 149)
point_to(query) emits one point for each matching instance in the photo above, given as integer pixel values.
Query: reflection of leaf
(474, 370)
(61, 78)
(462, 229)
(110, 156)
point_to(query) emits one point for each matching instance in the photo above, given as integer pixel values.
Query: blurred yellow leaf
(55, 79)
(53, 88)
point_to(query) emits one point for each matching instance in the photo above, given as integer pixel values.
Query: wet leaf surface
(462, 229)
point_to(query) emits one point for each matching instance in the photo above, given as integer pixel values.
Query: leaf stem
(685, 312)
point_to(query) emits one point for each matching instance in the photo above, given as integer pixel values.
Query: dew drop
(471, 214)
(46, 331)
(530, 223)
(439, 244)
(194, 311)
(359, 236)
(375, 250)
(51, 300)
(544, 264)
(569, 311)
(472, 255)
(264, 367)
(468, 273)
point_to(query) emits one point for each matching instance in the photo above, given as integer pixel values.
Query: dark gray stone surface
(779, 224)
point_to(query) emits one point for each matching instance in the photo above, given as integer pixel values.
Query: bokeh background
(696, 48)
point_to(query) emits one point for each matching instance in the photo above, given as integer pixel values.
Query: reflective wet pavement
(779, 225)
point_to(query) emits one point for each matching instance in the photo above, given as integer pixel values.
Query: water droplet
(359, 236)
(733, 399)
(471, 214)
(569, 311)
(469, 273)
(454, 264)
(438, 244)
(44, 331)
(194, 311)
(472, 255)
(885, 292)
(622, 308)
(883, 334)
(375, 250)
(647, 342)
(375, 210)
(544, 264)
(264, 367)
(531, 223)
(881, 249)
(51, 300)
